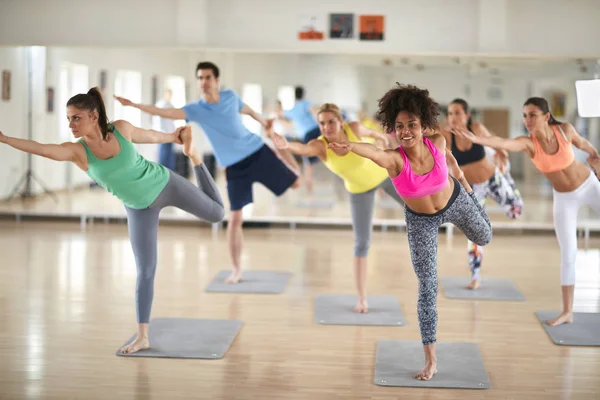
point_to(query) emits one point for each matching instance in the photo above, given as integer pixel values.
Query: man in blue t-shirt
(245, 156)
(307, 129)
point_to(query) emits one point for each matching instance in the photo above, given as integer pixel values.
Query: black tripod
(27, 179)
(29, 176)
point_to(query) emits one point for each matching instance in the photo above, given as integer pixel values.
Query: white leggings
(566, 206)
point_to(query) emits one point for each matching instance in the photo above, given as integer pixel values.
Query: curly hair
(411, 99)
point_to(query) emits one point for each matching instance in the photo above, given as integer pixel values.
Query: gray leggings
(464, 211)
(203, 201)
(361, 205)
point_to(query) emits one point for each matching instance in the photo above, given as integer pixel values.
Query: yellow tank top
(358, 173)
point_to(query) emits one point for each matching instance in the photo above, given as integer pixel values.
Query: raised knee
(485, 238)
(218, 214)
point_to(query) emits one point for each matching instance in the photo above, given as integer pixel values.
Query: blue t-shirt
(222, 124)
(302, 118)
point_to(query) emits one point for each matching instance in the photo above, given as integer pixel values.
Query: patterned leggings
(464, 211)
(501, 188)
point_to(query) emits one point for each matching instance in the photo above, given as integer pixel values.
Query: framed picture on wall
(103, 80)
(558, 102)
(6, 75)
(341, 26)
(371, 27)
(50, 100)
(311, 28)
(154, 89)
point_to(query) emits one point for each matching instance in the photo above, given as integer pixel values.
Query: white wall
(553, 27)
(98, 23)
(500, 27)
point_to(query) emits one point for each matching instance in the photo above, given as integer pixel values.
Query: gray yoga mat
(337, 309)
(583, 331)
(489, 289)
(188, 338)
(460, 365)
(269, 282)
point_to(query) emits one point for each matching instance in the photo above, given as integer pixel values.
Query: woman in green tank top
(106, 153)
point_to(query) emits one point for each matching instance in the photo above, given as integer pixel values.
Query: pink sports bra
(411, 185)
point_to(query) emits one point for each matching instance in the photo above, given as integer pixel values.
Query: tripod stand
(29, 176)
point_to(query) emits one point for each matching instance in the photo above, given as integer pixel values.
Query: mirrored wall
(495, 89)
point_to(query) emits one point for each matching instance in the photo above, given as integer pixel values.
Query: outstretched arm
(482, 131)
(246, 109)
(363, 131)
(57, 152)
(140, 135)
(513, 145)
(314, 148)
(501, 156)
(169, 113)
(383, 158)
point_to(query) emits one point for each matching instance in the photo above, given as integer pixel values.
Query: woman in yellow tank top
(361, 176)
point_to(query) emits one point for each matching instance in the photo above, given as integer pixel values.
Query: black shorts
(313, 134)
(262, 166)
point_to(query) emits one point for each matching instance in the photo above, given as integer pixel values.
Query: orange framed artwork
(311, 28)
(371, 27)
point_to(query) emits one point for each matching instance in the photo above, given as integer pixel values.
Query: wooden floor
(67, 303)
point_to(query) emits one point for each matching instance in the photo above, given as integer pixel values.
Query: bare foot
(137, 345)
(361, 306)
(474, 284)
(235, 276)
(564, 318)
(188, 146)
(428, 372)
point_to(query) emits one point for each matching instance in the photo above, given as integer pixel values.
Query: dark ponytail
(465, 107)
(92, 101)
(542, 104)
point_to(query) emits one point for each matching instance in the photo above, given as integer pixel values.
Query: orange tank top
(558, 161)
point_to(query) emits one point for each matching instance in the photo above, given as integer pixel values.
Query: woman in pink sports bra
(550, 147)
(420, 170)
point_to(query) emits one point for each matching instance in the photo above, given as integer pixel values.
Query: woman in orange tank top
(550, 147)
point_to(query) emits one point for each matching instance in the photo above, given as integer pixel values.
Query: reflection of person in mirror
(549, 145)
(362, 178)
(244, 154)
(434, 190)
(486, 178)
(307, 129)
(166, 152)
(105, 151)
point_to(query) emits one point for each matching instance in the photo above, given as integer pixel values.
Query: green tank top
(131, 178)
